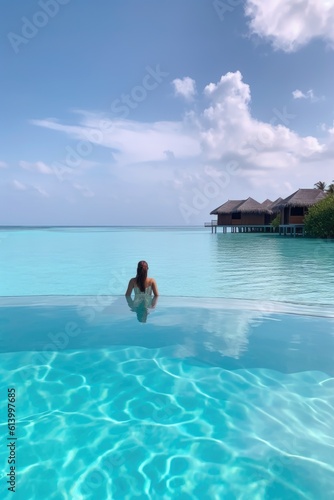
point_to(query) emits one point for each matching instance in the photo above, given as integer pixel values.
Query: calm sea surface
(185, 262)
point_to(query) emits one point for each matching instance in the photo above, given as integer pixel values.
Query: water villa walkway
(283, 229)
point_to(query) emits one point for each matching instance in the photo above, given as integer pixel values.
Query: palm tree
(320, 185)
(330, 188)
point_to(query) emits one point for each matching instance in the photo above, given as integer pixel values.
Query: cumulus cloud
(229, 128)
(224, 127)
(185, 87)
(298, 94)
(290, 24)
(3, 164)
(180, 158)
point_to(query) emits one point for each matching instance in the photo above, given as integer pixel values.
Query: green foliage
(276, 222)
(319, 221)
(330, 188)
(320, 185)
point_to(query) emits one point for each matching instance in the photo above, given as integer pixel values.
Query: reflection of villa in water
(251, 216)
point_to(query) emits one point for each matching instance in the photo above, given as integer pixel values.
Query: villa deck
(283, 230)
(291, 229)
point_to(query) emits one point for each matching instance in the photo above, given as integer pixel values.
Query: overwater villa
(251, 216)
(294, 208)
(243, 213)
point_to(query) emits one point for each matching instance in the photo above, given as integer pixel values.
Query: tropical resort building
(251, 216)
(294, 207)
(245, 215)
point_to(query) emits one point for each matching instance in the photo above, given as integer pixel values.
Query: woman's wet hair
(141, 275)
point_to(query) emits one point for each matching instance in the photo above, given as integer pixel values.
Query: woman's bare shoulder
(153, 282)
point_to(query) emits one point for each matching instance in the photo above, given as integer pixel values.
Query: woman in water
(141, 284)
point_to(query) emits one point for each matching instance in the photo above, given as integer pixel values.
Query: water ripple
(126, 422)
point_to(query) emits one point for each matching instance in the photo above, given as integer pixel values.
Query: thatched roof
(244, 206)
(227, 207)
(274, 207)
(251, 206)
(267, 203)
(302, 198)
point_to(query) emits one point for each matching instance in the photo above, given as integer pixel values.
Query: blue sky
(154, 112)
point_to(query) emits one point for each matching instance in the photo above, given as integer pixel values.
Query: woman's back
(147, 291)
(141, 284)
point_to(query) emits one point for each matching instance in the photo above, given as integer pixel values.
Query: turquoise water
(206, 396)
(185, 262)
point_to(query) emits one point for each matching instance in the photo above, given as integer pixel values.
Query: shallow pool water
(192, 398)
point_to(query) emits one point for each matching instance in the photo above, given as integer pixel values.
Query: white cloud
(40, 191)
(66, 169)
(224, 127)
(38, 166)
(19, 185)
(185, 87)
(84, 190)
(171, 162)
(131, 142)
(3, 164)
(298, 94)
(290, 24)
(229, 128)
(230, 87)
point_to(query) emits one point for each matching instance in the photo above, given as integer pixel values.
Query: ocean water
(222, 389)
(189, 262)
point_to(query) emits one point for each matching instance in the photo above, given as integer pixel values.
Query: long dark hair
(141, 275)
